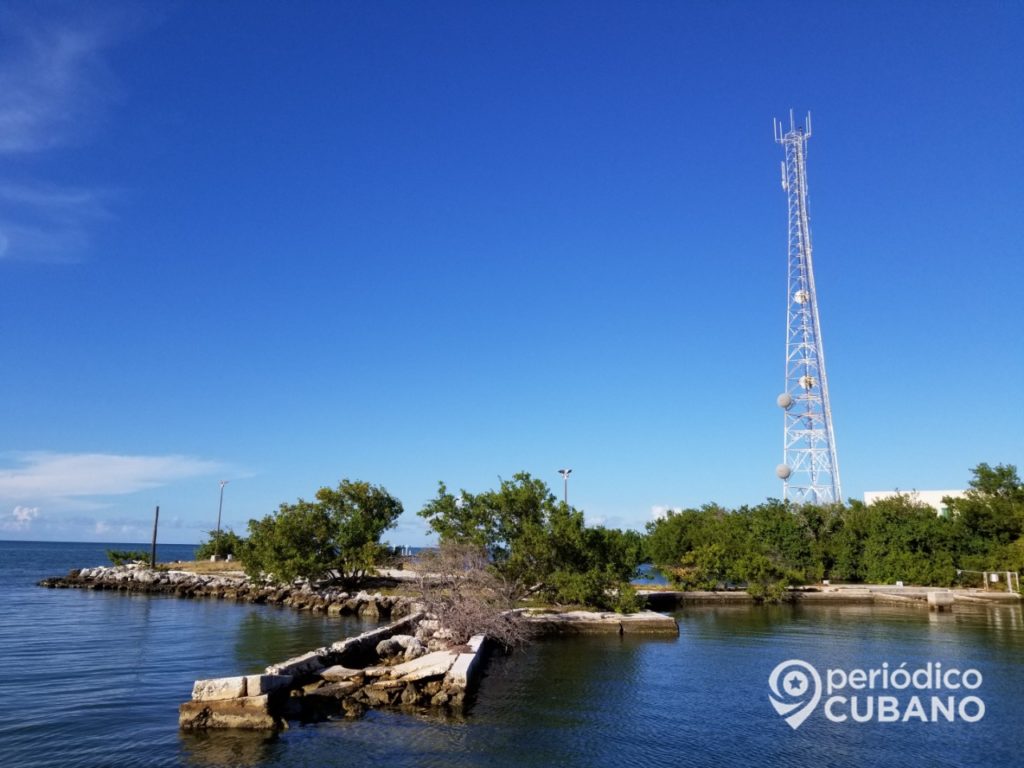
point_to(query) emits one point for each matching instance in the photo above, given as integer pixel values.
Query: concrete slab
(219, 689)
(462, 670)
(433, 664)
(257, 685)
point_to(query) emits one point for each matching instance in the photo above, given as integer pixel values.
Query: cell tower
(809, 470)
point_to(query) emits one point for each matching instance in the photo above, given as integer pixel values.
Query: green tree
(337, 535)
(767, 580)
(773, 544)
(538, 543)
(126, 556)
(674, 534)
(845, 544)
(703, 568)
(990, 516)
(906, 541)
(221, 544)
(783, 533)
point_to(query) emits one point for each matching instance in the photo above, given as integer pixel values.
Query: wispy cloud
(48, 223)
(56, 87)
(43, 478)
(54, 79)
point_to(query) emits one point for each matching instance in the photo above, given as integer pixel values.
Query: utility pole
(565, 481)
(152, 554)
(809, 470)
(220, 508)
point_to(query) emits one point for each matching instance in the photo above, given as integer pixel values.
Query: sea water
(95, 679)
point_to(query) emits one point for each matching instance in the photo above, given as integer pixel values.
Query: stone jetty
(236, 587)
(408, 664)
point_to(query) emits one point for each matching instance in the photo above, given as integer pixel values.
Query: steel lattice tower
(809, 469)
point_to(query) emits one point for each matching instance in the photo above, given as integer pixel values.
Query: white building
(932, 498)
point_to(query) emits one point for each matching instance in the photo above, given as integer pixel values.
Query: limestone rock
(414, 650)
(353, 707)
(410, 695)
(394, 646)
(251, 712)
(335, 690)
(338, 674)
(386, 685)
(219, 689)
(383, 693)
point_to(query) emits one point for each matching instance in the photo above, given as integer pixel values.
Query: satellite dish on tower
(784, 401)
(783, 471)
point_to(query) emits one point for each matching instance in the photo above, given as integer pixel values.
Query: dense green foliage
(774, 544)
(542, 547)
(125, 556)
(222, 544)
(540, 544)
(337, 535)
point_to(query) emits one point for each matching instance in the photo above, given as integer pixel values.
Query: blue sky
(283, 244)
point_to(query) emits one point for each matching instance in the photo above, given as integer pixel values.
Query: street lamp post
(565, 481)
(220, 508)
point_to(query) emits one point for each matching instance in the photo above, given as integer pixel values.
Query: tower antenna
(809, 470)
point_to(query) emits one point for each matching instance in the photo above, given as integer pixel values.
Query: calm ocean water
(94, 679)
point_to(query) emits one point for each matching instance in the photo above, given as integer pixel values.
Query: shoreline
(838, 594)
(236, 586)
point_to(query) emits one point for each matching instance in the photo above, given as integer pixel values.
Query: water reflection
(227, 748)
(268, 636)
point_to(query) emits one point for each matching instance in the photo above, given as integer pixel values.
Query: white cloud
(659, 511)
(18, 519)
(43, 476)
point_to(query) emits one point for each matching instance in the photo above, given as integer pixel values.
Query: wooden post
(152, 556)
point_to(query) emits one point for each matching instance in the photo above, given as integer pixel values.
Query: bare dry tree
(468, 596)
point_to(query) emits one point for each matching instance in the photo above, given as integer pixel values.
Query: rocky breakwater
(407, 664)
(232, 586)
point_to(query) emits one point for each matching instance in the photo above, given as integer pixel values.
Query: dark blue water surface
(95, 678)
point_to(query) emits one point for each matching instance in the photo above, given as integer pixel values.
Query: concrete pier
(940, 601)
